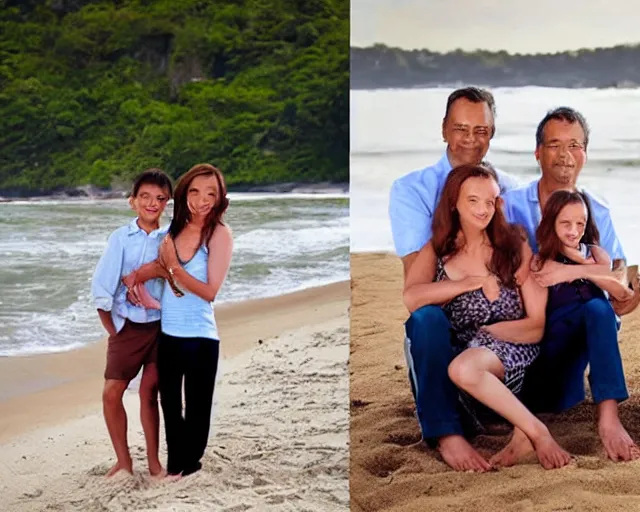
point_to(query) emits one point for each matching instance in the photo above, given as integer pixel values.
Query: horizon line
(484, 50)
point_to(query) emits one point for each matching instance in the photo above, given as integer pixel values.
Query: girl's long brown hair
(549, 245)
(181, 213)
(506, 239)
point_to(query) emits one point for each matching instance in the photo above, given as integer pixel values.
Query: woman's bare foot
(460, 455)
(616, 440)
(550, 454)
(119, 467)
(518, 447)
(173, 478)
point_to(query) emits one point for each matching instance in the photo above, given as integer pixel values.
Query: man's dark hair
(563, 114)
(474, 95)
(152, 177)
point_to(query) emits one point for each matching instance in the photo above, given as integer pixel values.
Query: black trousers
(194, 361)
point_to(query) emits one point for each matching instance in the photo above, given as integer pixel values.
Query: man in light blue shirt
(133, 330)
(583, 332)
(467, 128)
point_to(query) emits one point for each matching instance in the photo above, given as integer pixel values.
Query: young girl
(196, 255)
(567, 234)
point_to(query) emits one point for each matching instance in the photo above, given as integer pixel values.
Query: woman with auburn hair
(194, 257)
(470, 269)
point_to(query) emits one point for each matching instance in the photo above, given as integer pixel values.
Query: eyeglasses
(574, 145)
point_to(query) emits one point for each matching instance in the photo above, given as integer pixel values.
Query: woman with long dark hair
(194, 258)
(469, 268)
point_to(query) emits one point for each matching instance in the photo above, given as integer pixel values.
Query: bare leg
(478, 371)
(460, 455)
(115, 417)
(150, 416)
(616, 440)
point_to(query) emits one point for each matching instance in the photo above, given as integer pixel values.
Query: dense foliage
(92, 92)
(380, 66)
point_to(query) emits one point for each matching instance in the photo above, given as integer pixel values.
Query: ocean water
(49, 249)
(394, 132)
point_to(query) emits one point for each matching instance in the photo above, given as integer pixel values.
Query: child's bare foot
(119, 467)
(160, 475)
(156, 470)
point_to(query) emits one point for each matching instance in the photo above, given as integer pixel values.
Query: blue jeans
(428, 351)
(576, 335)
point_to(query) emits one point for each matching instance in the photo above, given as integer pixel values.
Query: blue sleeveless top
(189, 316)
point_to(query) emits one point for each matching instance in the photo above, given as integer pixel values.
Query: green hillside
(92, 92)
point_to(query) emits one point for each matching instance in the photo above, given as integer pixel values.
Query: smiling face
(562, 153)
(477, 202)
(203, 195)
(571, 223)
(149, 203)
(467, 130)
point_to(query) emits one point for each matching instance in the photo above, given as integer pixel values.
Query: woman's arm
(420, 290)
(144, 273)
(218, 263)
(529, 329)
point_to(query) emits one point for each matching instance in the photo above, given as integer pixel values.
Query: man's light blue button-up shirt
(128, 248)
(413, 200)
(522, 206)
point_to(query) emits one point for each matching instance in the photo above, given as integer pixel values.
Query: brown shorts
(129, 350)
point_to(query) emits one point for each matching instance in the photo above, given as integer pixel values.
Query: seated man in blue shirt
(467, 128)
(133, 330)
(555, 381)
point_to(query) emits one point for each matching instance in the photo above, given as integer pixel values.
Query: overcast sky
(525, 26)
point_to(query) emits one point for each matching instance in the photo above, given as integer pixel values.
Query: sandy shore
(390, 469)
(279, 437)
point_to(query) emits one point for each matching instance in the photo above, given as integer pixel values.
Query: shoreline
(279, 426)
(224, 305)
(45, 389)
(94, 193)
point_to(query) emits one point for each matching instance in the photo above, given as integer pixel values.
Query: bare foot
(460, 455)
(119, 467)
(550, 454)
(517, 449)
(616, 440)
(156, 470)
(173, 478)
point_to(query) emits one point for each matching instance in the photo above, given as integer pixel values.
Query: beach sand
(391, 469)
(279, 437)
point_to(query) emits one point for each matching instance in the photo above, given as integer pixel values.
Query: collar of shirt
(134, 228)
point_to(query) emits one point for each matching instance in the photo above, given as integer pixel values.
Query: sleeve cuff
(104, 303)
